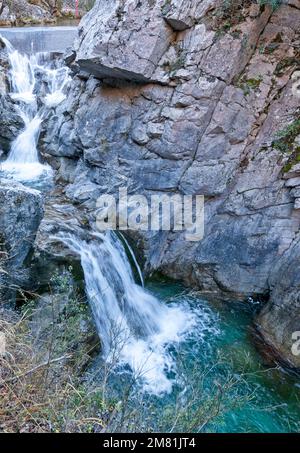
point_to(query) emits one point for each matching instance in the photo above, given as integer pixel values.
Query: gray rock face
(21, 210)
(10, 123)
(183, 14)
(135, 40)
(278, 322)
(203, 119)
(24, 11)
(135, 32)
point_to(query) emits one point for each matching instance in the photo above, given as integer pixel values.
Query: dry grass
(41, 374)
(45, 386)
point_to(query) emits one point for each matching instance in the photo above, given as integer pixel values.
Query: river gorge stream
(178, 346)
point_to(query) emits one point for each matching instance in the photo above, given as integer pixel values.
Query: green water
(220, 382)
(227, 388)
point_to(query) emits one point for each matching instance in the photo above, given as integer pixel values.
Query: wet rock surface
(10, 123)
(21, 210)
(163, 100)
(202, 119)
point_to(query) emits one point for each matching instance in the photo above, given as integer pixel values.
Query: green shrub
(274, 3)
(285, 143)
(284, 139)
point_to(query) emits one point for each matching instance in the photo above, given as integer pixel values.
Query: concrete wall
(40, 39)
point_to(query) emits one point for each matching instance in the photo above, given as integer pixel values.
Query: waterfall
(134, 259)
(38, 83)
(135, 328)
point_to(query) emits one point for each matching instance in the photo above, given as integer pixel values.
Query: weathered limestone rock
(278, 322)
(123, 39)
(10, 121)
(127, 40)
(183, 14)
(21, 210)
(203, 119)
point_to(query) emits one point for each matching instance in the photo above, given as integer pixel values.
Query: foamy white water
(135, 328)
(23, 162)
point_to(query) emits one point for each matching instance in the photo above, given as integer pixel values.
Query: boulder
(21, 210)
(123, 39)
(183, 14)
(199, 132)
(11, 123)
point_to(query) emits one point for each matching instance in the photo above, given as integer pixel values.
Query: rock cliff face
(21, 210)
(192, 97)
(280, 317)
(175, 96)
(10, 122)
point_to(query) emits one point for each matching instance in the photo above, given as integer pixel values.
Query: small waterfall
(29, 75)
(134, 259)
(133, 325)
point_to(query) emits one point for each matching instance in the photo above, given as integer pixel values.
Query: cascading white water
(134, 259)
(135, 328)
(23, 162)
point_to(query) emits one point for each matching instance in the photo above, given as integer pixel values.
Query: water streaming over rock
(38, 83)
(135, 328)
